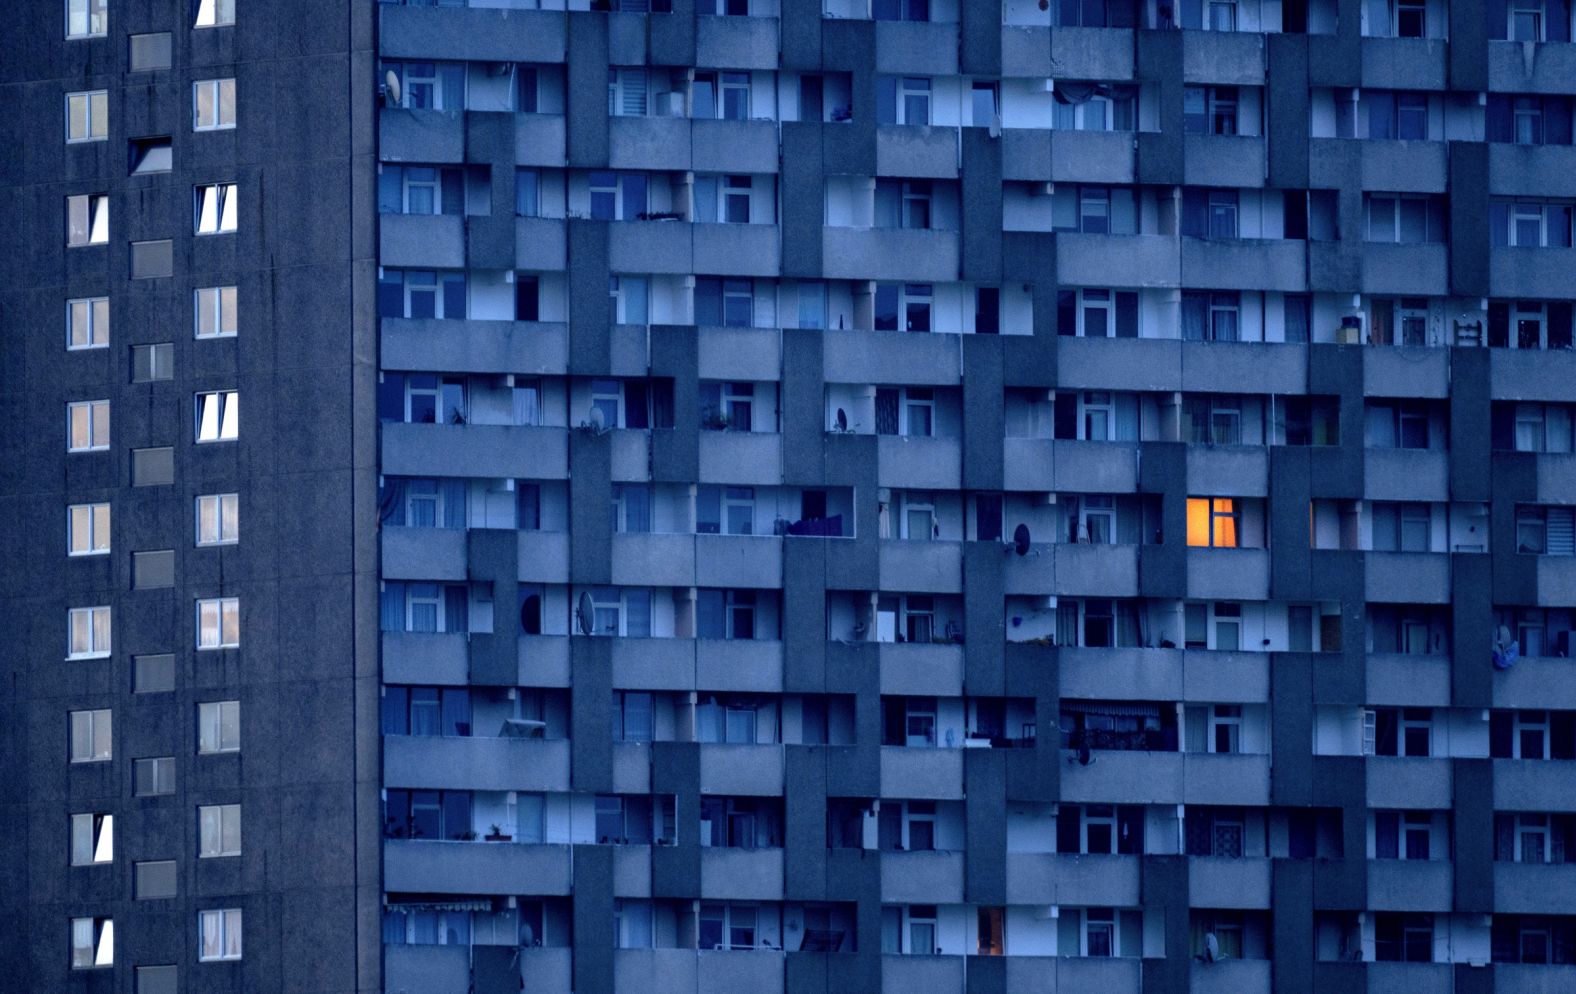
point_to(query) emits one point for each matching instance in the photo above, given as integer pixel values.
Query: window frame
(212, 718)
(214, 14)
(95, 116)
(220, 92)
(99, 949)
(94, 526)
(224, 216)
(92, 718)
(93, 313)
(222, 510)
(226, 622)
(88, 15)
(222, 816)
(100, 632)
(226, 416)
(94, 208)
(96, 832)
(225, 921)
(211, 303)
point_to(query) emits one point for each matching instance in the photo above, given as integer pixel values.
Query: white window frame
(223, 513)
(1229, 717)
(1532, 8)
(87, 323)
(95, 116)
(218, 416)
(409, 183)
(1403, 724)
(1094, 815)
(99, 632)
(91, 12)
(628, 87)
(89, 523)
(1096, 406)
(909, 400)
(218, 727)
(922, 921)
(1519, 725)
(920, 502)
(1088, 510)
(733, 498)
(93, 717)
(94, 834)
(92, 943)
(218, 816)
(214, 209)
(915, 87)
(602, 397)
(224, 926)
(223, 618)
(221, 98)
(210, 305)
(1096, 299)
(215, 14)
(727, 81)
(94, 208)
(629, 293)
(1107, 920)
(734, 186)
(1525, 823)
(916, 195)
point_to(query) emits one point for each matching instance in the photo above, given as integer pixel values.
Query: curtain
(1195, 315)
(391, 502)
(455, 610)
(453, 493)
(391, 613)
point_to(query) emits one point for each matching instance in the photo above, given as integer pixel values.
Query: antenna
(391, 83)
(842, 419)
(1020, 540)
(585, 612)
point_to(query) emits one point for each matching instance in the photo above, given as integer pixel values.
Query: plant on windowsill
(496, 835)
(466, 836)
(714, 420)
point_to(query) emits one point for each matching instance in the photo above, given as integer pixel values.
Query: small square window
(218, 416)
(153, 674)
(218, 830)
(152, 467)
(154, 776)
(218, 519)
(155, 879)
(157, 980)
(215, 311)
(151, 155)
(87, 116)
(215, 208)
(87, 529)
(87, 18)
(213, 104)
(87, 219)
(219, 623)
(92, 736)
(153, 570)
(151, 363)
(219, 934)
(150, 51)
(214, 13)
(152, 260)
(87, 426)
(92, 839)
(87, 323)
(88, 632)
(218, 727)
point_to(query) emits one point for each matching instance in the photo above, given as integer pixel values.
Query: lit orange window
(1212, 522)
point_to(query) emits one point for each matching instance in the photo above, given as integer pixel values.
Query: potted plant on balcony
(714, 420)
(496, 835)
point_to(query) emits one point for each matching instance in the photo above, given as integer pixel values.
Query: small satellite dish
(1211, 947)
(1085, 757)
(585, 612)
(1020, 540)
(842, 419)
(597, 420)
(391, 84)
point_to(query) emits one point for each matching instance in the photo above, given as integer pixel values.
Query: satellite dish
(391, 85)
(1085, 757)
(842, 419)
(597, 420)
(1211, 947)
(585, 612)
(1020, 540)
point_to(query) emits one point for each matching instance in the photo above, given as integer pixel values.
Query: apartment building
(869, 495)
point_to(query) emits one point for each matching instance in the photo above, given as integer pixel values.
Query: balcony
(891, 357)
(737, 249)
(1027, 463)
(1530, 272)
(745, 770)
(1224, 160)
(472, 451)
(741, 874)
(653, 559)
(928, 255)
(652, 971)
(1126, 363)
(476, 34)
(922, 974)
(1071, 879)
(1143, 260)
(922, 774)
(1408, 679)
(1413, 978)
(1088, 156)
(917, 152)
(1404, 63)
(426, 658)
(1406, 474)
(540, 243)
(661, 143)
(428, 761)
(1531, 979)
(1121, 674)
(1096, 467)
(919, 463)
(1234, 58)
(1249, 263)
(1535, 888)
(632, 871)
(654, 663)
(544, 660)
(737, 354)
(429, 969)
(1419, 269)
(1225, 366)
(422, 241)
(424, 553)
(475, 346)
(545, 969)
(1072, 53)
(917, 48)
(1404, 166)
(632, 768)
(734, 146)
(736, 42)
(650, 247)
(1411, 372)
(1407, 577)
(738, 560)
(1081, 569)
(1225, 676)
(1228, 574)
(1533, 785)
(1409, 885)
(419, 866)
(1108, 976)
(1224, 882)
(1234, 779)
(742, 458)
(1126, 777)
(426, 136)
(744, 665)
(542, 557)
(1228, 470)
(922, 566)
(921, 877)
(1409, 782)
(921, 669)
(1556, 478)
(1236, 976)
(539, 140)
(1552, 68)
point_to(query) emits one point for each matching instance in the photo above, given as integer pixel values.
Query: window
(429, 85)
(419, 293)
(1401, 527)
(152, 467)
(87, 529)
(87, 18)
(92, 839)
(87, 219)
(1081, 13)
(903, 100)
(1408, 220)
(213, 104)
(1531, 530)
(1407, 938)
(1529, 120)
(215, 311)
(87, 116)
(217, 519)
(219, 623)
(92, 943)
(1215, 419)
(1209, 110)
(1403, 835)
(87, 323)
(1225, 728)
(909, 302)
(218, 726)
(1094, 107)
(527, 193)
(617, 196)
(214, 14)
(727, 926)
(900, 10)
(215, 208)
(153, 570)
(1211, 316)
(1402, 116)
(152, 363)
(726, 302)
(1527, 223)
(1099, 932)
(155, 879)
(1525, 20)
(1403, 731)
(1212, 522)
(1398, 322)
(218, 830)
(154, 776)
(922, 929)
(150, 51)
(219, 934)
(152, 674)
(218, 416)
(632, 716)
(736, 199)
(87, 426)
(626, 93)
(92, 736)
(151, 155)
(152, 259)
(89, 632)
